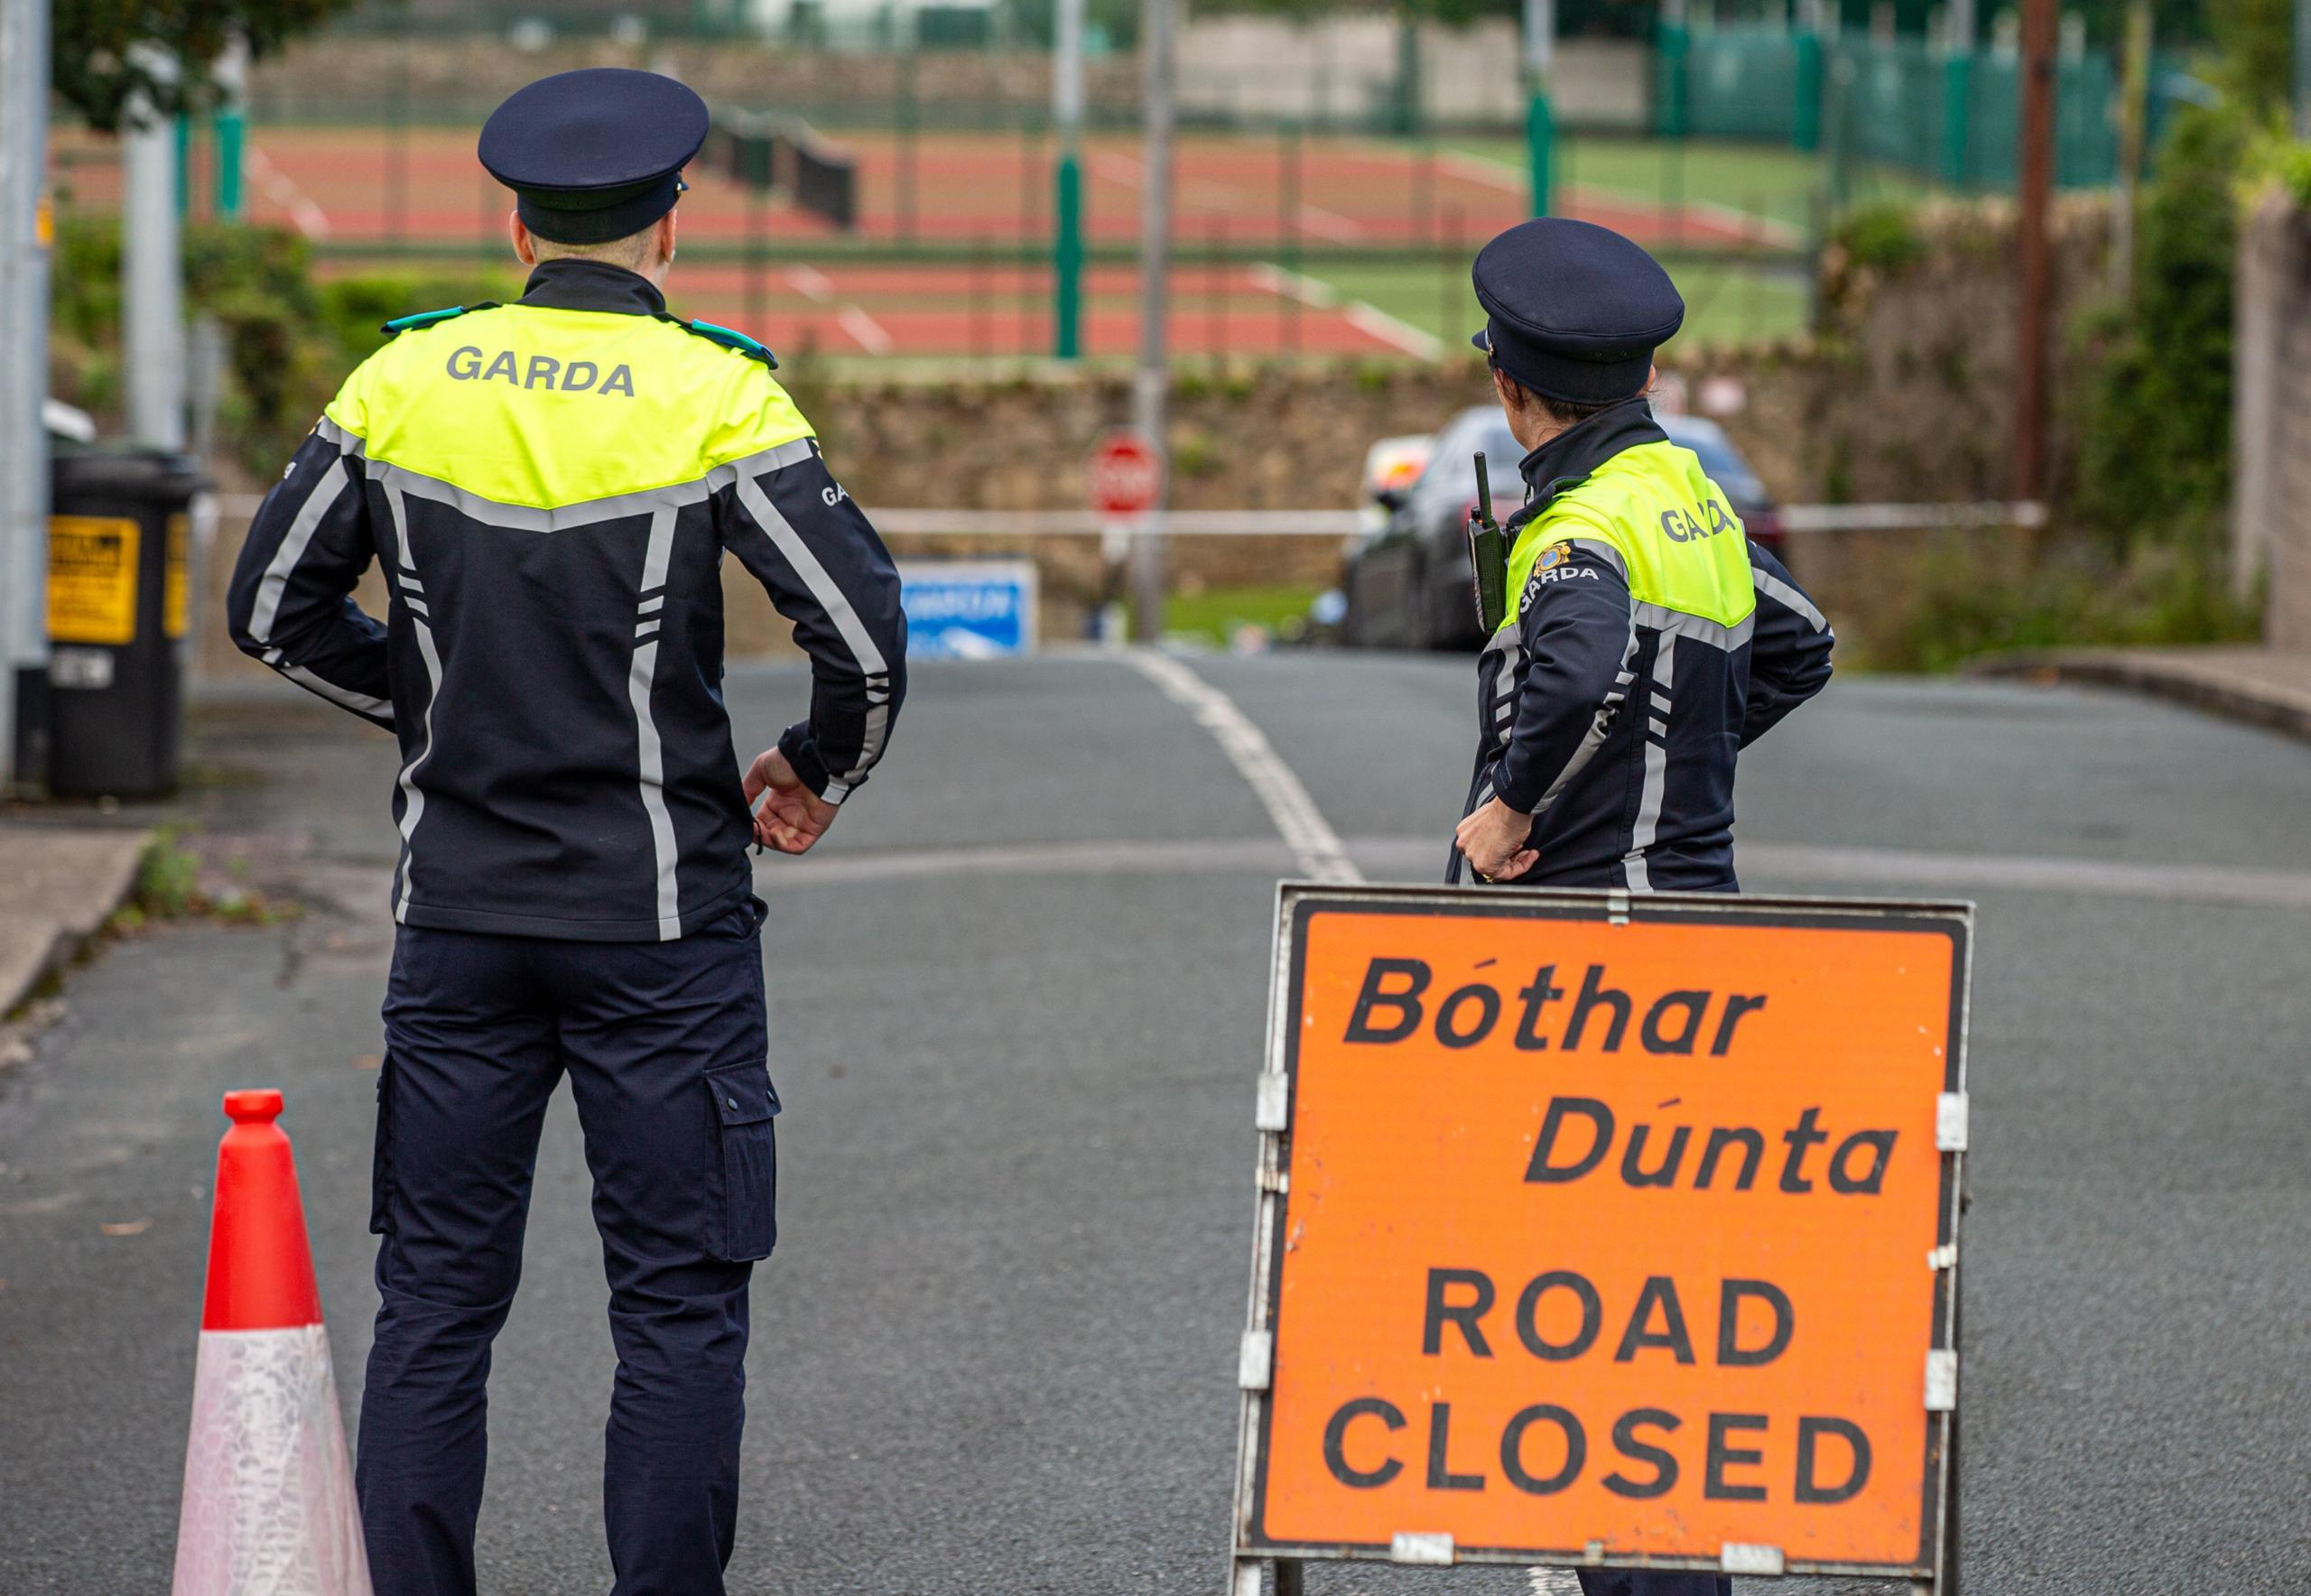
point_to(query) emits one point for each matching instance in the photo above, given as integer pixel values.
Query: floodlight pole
(1067, 179)
(1151, 384)
(152, 308)
(24, 382)
(1540, 121)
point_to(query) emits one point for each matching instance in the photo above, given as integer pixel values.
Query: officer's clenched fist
(1493, 838)
(792, 817)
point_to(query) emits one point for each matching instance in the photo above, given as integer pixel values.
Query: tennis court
(1276, 239)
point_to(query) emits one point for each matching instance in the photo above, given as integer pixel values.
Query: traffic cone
(268, 1496)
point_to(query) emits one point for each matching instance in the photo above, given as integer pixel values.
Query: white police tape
(918, 521)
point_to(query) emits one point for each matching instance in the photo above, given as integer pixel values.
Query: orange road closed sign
(1607, 1230)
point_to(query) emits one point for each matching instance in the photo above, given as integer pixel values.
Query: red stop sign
(1126, 475)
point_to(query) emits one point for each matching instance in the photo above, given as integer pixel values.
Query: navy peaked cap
(1573, 310)
(594, 154)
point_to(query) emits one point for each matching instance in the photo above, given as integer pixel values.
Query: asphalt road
(1017, 1006)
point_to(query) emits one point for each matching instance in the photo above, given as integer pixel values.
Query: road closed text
(1558, 1319)
(1615, 1238)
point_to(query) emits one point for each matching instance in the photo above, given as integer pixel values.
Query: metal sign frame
(1935, 1570)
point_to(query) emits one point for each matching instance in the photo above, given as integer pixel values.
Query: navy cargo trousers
(664, 1044)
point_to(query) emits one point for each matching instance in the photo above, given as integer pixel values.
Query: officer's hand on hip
(792, 817)
(1492, 840)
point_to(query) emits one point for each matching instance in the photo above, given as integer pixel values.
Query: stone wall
(1905, 397)
(1253, 438)
(1907, 393)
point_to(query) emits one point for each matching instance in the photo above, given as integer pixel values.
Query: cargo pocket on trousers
(744, 1111)
(381, 1159)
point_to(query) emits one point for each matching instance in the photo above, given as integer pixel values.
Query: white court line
(1297, 285)
(865, 328)
(813, 286)
(1366, 319)
(1315, 846)
(1128, 171)
(1375, 323)
(1499, 174)
(308, 217)
(1330, 223)
(816, 286)
(1493, 174)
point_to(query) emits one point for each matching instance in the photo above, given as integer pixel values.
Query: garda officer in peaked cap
(1646, 641)
(550, 487)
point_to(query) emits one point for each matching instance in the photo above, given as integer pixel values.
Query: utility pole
(151, 311)
(1540, 121)
(1067, 179)
(2035, 278)
(2134, 113)
(24, 385)
(1151, 384)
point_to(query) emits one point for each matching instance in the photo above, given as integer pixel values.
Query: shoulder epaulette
(729, 338)
(401, 324)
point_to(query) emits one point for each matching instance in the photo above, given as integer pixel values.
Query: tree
(106, 50)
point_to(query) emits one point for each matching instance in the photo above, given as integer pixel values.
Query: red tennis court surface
(423, 185)
(420, 189)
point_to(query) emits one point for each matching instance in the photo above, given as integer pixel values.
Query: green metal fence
(1952, 116)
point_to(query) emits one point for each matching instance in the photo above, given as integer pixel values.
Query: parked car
(1406, 581)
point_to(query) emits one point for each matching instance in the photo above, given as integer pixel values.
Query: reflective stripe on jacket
(1651, 641)
(550, 488)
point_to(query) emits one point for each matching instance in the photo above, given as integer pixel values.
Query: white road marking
(308, 217)
(1553, 1581)
(1315, 846)
(1157, 856)
(868, 332)
(1422, 860)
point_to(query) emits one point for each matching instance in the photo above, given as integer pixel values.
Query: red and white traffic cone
(268, 1496)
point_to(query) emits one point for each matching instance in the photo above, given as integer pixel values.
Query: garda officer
(550, 488)
(1648, 640)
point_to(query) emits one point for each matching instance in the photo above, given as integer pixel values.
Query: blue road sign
(969, 609)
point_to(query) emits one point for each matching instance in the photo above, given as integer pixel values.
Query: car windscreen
(1726, 468)
(1451, 473)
